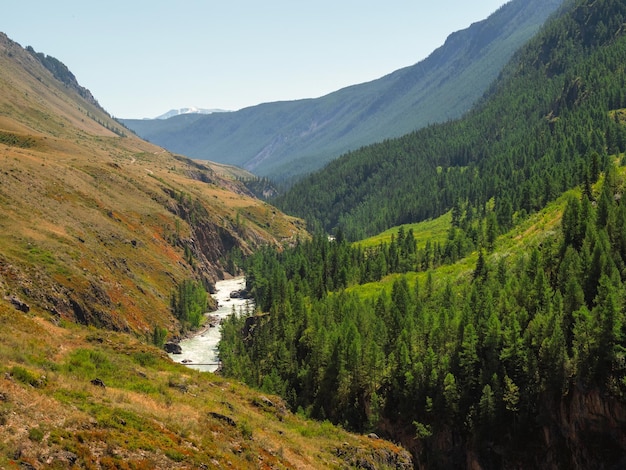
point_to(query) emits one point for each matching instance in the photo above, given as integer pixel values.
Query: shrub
(27, 377)
(87, 362)
(36, 434)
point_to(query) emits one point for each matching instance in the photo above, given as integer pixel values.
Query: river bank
(200, 350)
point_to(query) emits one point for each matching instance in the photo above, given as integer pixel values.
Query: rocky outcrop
(581, 430)
(18, 304)
(223, 418)
(371, 457)
(240, 294)
(252, 323)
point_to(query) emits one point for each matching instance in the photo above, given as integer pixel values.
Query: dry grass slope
(94, 226)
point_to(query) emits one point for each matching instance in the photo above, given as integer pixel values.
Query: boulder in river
(172, 348)
(239, 294)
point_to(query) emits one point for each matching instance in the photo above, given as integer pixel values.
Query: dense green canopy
(407, 340)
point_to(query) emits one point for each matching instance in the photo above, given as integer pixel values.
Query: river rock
(239, 294)
(172, 348)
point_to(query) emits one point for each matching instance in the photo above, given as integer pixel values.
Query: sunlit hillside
(99, 226)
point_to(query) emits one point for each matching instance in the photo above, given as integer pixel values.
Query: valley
(491, 334)
(453, 297)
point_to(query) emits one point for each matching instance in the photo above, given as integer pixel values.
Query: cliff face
(588, 430)
(582, 430)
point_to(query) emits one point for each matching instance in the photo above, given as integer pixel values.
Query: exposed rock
(371, 458)
(98, 382)
(589, 429)
(582, 429)
(62, 457)
(181, 387)
(251, 323)
(223, 418)
(277, 407)
(172, 348)
(266, 401)
(19, 304)
(239, 294)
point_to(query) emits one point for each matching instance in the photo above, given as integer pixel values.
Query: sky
(142, 58)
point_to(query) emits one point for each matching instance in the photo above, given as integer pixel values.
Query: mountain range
(288, 139)
(516, 147)
(191, 110)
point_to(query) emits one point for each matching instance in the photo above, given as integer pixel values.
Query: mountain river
(200, 351)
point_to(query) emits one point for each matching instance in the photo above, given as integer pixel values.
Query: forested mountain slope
(499, 342)
(547, 124)
(471, 350)
(286, 139)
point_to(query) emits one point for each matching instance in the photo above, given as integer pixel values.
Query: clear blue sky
(142, 58)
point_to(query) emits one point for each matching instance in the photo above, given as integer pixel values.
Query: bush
(27, 377)
(87, 363)
(36, 434)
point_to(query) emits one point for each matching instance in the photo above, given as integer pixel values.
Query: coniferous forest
(531, 138)
(468, 348)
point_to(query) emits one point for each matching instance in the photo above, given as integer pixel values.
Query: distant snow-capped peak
(193, 110)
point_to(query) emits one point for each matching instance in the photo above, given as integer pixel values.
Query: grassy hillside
(512, 245)
(287, 139)
(73, 397)
(429, 230)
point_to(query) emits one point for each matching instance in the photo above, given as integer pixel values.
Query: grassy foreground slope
(150, 413)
